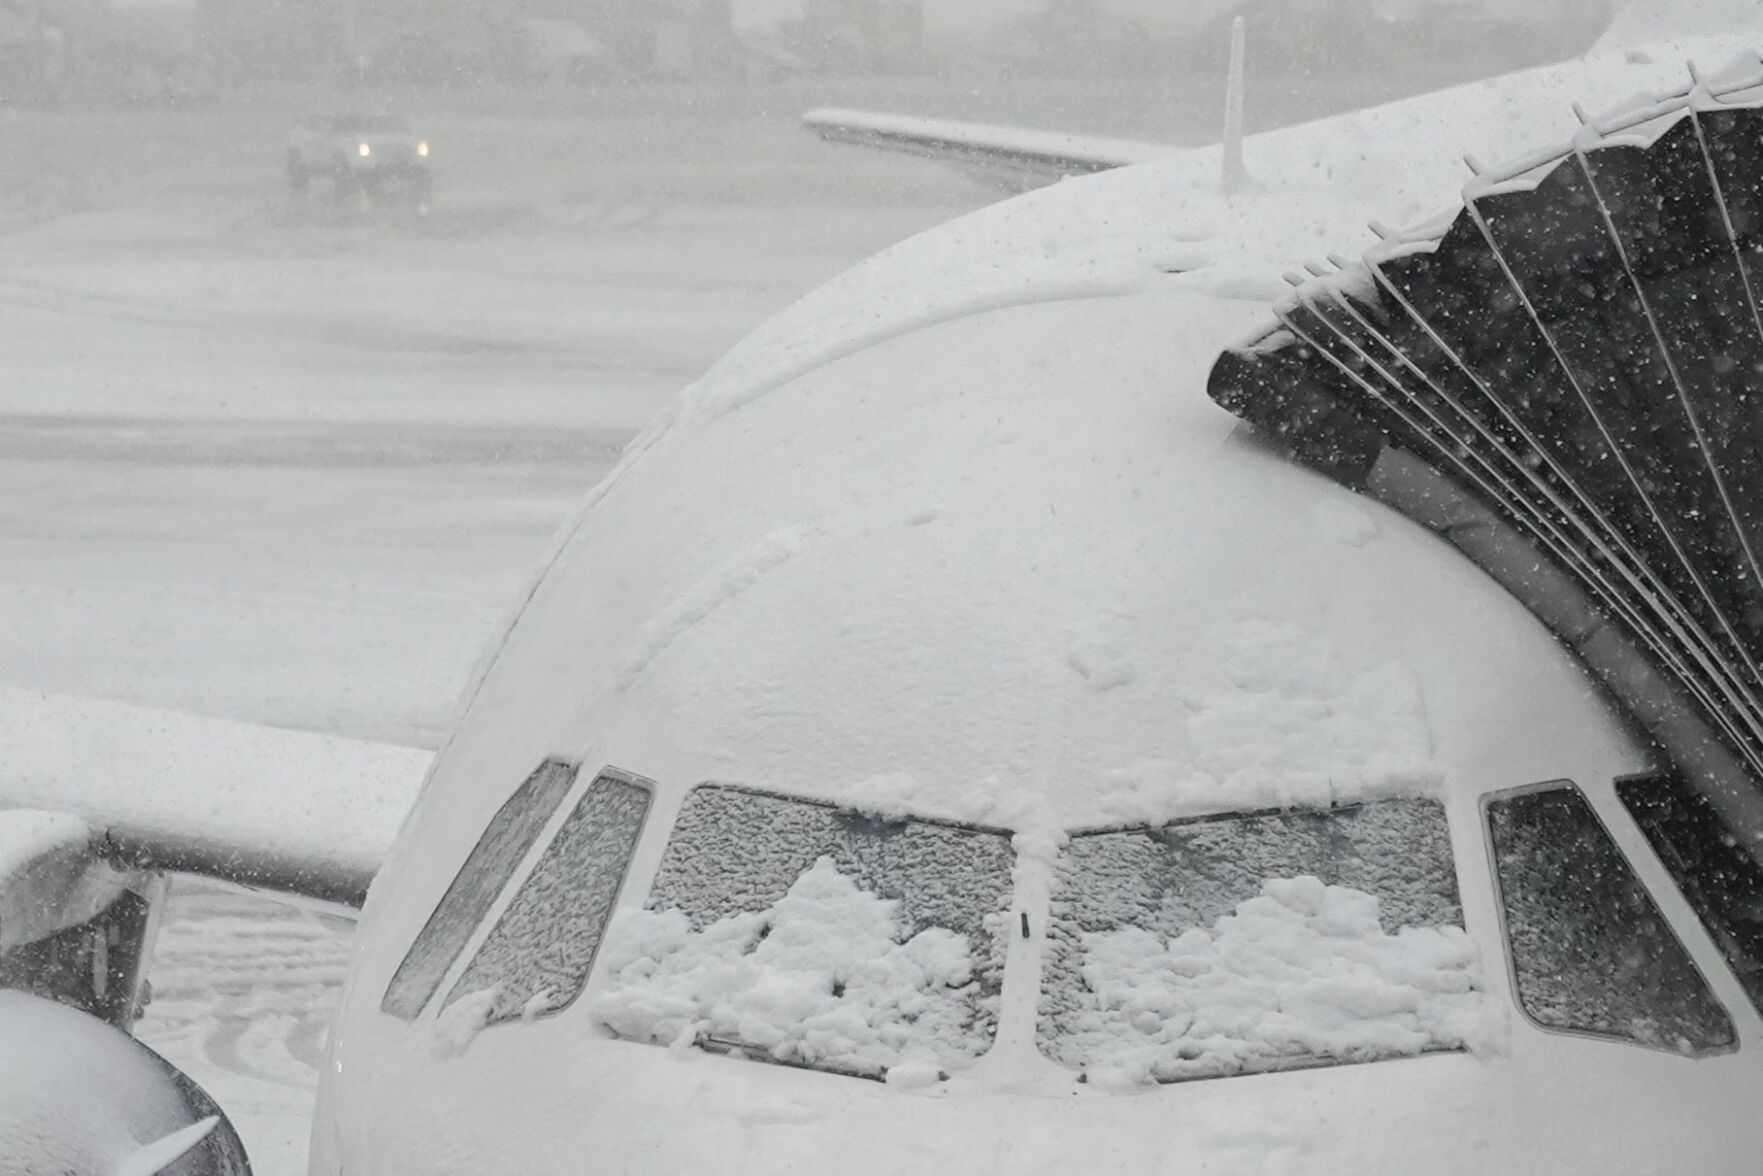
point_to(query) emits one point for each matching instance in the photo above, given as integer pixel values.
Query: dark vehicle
(374, 157)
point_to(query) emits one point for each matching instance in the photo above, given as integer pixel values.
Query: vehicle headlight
(422, 149)
(364, 150)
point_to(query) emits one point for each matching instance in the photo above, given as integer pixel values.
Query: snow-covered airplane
(951, 740)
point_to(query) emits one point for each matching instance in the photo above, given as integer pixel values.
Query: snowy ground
(289, 463)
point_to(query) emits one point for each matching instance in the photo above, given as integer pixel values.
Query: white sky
(964, 16)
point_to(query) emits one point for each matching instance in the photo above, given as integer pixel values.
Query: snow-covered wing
(46, 880)
(1017, 157)
(285, 810)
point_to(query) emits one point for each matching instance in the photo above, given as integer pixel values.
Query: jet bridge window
(792, 931)
(537, 957)
(503, 846)
(1255, 942)
(1590, 952)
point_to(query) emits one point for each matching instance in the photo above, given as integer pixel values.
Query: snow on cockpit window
(537, 957)
(505, 841)
(1247, 943)
(793, 931)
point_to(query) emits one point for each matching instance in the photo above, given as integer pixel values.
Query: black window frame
(1511, 957)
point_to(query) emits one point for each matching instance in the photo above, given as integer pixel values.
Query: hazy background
(200, 51)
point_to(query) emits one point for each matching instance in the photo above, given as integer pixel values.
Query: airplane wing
(1014, 157)
(1018, 158)
(306, 814)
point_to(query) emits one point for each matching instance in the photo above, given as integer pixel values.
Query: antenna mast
(1236, 176)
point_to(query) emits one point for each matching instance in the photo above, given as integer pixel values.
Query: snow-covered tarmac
(288, 463)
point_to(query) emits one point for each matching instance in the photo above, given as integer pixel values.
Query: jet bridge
(1563, 380)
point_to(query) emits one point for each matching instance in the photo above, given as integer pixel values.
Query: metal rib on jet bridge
(1577, 359)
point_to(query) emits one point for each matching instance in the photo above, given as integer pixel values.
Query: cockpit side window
(1254, 942)
(793, 931)
(538, 956)
(1715, 865)
(504, 844)
(1590, 951)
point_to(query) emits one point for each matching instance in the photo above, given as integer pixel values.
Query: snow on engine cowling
(77, 1093)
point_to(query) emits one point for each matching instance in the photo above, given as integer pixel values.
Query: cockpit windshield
(1246, 943)
(793, 931)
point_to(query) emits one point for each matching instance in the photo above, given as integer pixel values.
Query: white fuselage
(982, 550)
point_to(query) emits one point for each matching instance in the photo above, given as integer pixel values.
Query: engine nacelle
(77, 1093)
(83, 1097)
